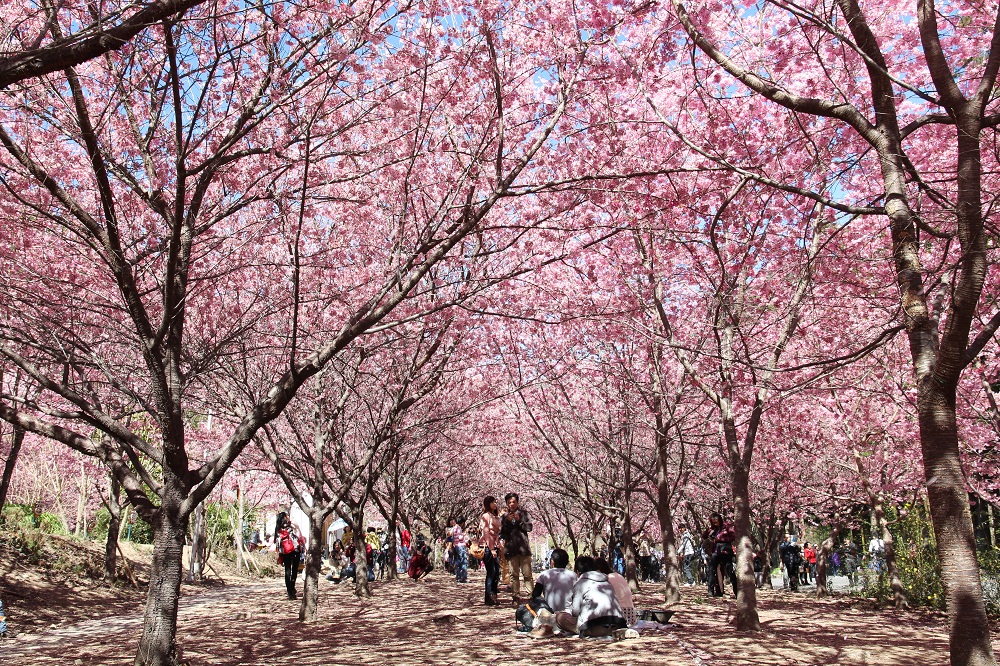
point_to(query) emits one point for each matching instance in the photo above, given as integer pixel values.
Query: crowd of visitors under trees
(594, 598)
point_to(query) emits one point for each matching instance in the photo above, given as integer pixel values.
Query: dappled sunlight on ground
(441, 622)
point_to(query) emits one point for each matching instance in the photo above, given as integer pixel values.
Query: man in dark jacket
(514, 527)
(791, 559)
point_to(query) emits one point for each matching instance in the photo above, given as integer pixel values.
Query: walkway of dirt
(441, 622)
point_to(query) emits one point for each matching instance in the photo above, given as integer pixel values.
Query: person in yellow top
(371, 538)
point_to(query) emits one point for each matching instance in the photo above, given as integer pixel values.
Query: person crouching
(593, 609)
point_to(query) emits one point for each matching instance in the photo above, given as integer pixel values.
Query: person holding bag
(489, 539)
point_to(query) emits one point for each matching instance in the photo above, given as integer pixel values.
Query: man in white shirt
(555, 585)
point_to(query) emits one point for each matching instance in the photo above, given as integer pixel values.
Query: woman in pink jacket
(489, 529)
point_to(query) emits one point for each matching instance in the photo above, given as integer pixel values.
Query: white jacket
(593, 597)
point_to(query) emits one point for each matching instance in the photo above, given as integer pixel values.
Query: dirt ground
(242, 622)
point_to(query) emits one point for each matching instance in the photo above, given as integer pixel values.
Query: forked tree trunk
(158, 644)
(114, 528)
(881, 527)
(8, 466)
(314, 562)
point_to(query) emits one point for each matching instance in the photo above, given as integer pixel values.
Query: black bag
(525, 615)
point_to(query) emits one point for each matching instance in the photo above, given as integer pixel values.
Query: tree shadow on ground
(442, 622)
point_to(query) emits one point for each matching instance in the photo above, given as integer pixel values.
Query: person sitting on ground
(593, 609)
(420, 564)
(622, 591)
(555, 585)
(3, 621)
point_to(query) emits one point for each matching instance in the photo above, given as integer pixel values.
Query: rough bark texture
(361, 587)
(157, 646)
(747, 618)
(968, 624)
(314, 562)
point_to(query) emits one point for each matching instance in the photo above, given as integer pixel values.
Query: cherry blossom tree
(890, 117)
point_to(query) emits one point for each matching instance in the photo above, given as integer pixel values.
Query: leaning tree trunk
(158, 644)
(8, 466)
(314, 562)
(114, 528)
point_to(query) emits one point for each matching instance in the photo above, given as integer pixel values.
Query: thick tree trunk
(158, 646)
(314, 562)
(114, 528)
(968, 625)
(746, 598)
(8, 467)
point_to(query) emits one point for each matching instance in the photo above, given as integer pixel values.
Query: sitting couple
(584, 603)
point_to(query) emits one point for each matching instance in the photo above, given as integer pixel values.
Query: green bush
(916, 561)
(22, 517)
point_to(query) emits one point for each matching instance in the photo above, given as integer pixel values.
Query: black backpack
(524, 616)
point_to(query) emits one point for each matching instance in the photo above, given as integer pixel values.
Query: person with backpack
(287, 540)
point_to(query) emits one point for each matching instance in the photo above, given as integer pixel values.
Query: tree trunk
(361, 587)
(196, 563)
(114, 527)
(968, 625)
(158, 644)
(825, 550)
(8, 466)
(746, 598)
(80, 529)
(671, 560)
(314, 562)
(628, 552)
(241, 555)
(898, 592)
